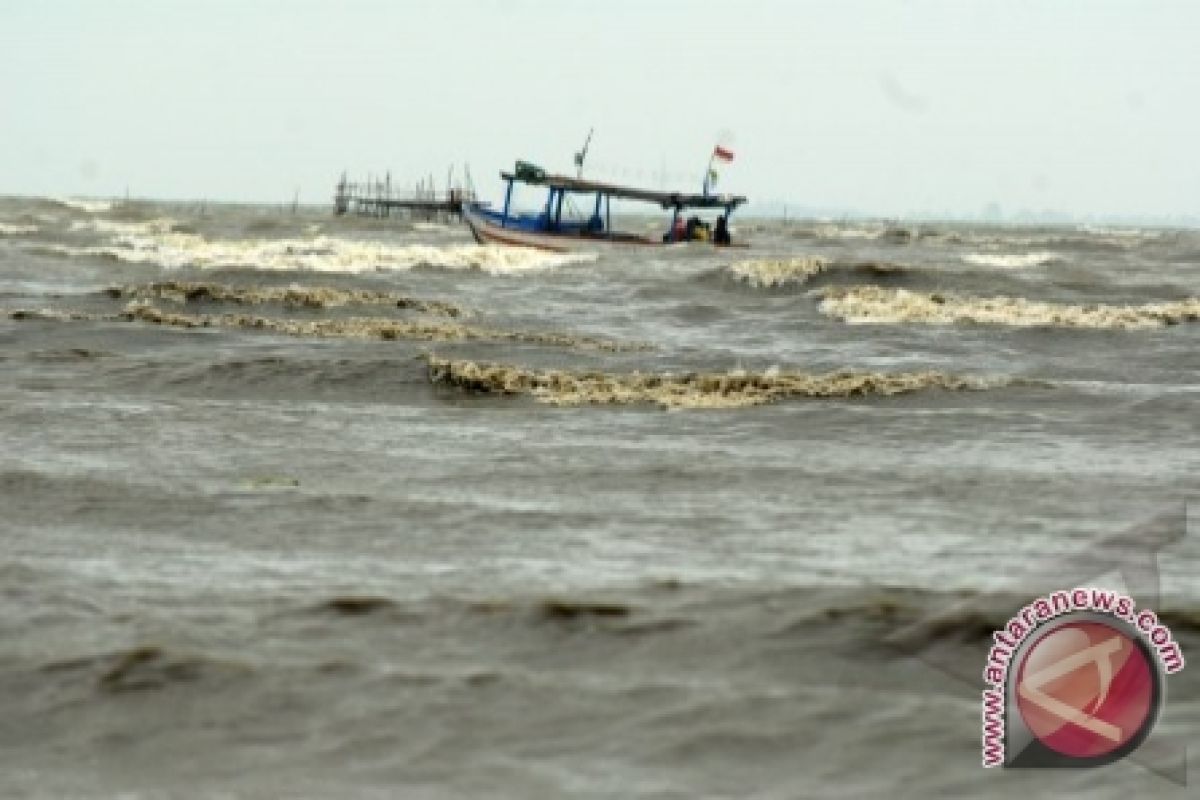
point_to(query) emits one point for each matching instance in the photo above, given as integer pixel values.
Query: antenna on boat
(582, 154)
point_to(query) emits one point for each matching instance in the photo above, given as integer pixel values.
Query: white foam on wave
(770, 273)
(876, 305)
(88, 206)
(7, 229)
(1011, 261)
(155, 242)
(161, 225)
(844, 231)
(1120, 233)
(692, 390)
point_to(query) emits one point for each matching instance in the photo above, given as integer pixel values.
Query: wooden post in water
(377, 197)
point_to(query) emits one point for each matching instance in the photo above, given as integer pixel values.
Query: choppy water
(296, 506)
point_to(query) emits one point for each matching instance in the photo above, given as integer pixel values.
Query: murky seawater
(305, 507)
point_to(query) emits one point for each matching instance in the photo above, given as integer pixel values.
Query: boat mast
(708, 171)
(508, 192)
(582, 154)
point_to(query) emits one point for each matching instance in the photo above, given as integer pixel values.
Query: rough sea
(295, 506)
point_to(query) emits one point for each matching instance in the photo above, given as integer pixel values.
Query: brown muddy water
(300, 507)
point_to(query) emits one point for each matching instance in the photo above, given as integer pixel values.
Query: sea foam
(873, 304)
(1011, 261)
(321, 254)
(734, 389)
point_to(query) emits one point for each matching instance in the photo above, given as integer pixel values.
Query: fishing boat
(549, 229)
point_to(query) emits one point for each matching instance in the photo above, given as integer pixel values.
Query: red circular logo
(1086, 688)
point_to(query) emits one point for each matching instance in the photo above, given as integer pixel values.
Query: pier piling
(378, 198)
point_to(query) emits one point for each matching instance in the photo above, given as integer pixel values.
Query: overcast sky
(890, 107)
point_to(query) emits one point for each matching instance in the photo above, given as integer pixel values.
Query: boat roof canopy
(664, 199)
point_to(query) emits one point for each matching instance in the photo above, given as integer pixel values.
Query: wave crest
(339, 328)
(776, 273)
(9, 229)
(772, 273)
(873, 304)
(1011, 261)
(734, 389)
(161, 242)
(79, 204)
(145, 227)
(293, 296)
(370, 328)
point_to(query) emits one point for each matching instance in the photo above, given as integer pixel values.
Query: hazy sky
(888, 107)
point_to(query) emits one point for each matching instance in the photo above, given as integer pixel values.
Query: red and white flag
(722, 153)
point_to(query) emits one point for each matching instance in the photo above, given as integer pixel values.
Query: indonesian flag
(722, 153)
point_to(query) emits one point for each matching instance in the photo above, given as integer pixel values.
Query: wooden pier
(379, 198)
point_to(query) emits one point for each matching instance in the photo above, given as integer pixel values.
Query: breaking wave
(87, 206)
(771, 273)
(8, 229)
(1085, 238)
(342, 328)
(160, 242)
(776, 273)
(872, 304)
(868, 231)
(1022, 261)
(293, 296)
(149, 227)
(733, 389)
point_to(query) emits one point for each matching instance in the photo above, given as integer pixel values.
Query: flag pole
(708, 170)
